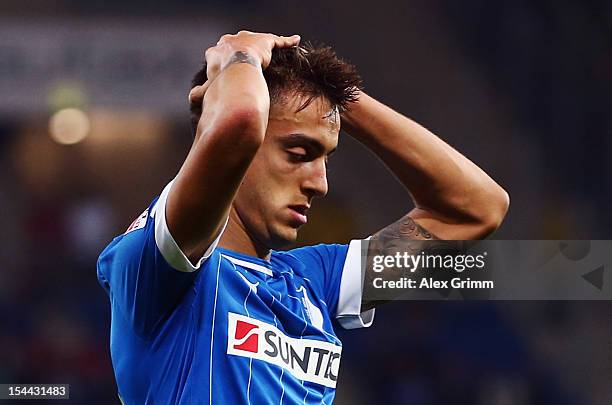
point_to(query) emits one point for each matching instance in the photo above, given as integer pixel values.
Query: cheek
(272, 170)
(270, 183)
(261, 187)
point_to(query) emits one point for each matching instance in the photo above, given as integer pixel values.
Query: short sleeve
(166, 243)
(144, 272)
(336, 270)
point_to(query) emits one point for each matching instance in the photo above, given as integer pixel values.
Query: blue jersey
(231, 329)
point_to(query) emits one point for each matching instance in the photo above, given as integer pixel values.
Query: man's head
(309, 88)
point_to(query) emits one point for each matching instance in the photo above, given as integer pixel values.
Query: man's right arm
(230, 131)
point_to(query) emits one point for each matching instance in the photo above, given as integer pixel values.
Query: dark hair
(309, 70)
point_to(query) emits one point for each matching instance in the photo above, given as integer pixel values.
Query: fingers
(227, 37)
(286, 42)
(260, 46)
(277, 40)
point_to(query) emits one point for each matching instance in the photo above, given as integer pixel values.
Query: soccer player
(205, 308)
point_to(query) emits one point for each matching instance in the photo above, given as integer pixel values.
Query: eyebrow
(300, 139)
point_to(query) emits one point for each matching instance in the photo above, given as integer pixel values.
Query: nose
(314, 183)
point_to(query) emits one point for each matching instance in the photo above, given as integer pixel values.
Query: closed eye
(298, 154)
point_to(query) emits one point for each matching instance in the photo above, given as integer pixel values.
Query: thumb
(196, 95)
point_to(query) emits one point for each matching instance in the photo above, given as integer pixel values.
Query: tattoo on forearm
(242, 57)
(406, 228)
(403, 236)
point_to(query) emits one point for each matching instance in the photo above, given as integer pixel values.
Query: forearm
(238, 96)
(231, 130)
(440, 180)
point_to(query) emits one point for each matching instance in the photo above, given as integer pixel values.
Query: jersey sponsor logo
(246, 337)
(306, 359)
(139, 222)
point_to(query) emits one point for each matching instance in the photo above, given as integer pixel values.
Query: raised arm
(230, 131)
(454, 198)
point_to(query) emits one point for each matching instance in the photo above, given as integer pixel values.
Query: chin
(283, 238)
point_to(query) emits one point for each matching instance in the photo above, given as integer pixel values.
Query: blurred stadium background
(94, 121)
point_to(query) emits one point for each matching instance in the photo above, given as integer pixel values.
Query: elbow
(495, 209)
(237, 128)
(245, 126)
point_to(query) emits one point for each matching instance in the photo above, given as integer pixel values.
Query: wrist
(243, 55)
(350, 117)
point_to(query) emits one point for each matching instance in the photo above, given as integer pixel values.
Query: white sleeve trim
(166, 243)
(351, 291)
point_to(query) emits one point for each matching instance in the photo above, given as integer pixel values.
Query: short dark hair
(310, 70)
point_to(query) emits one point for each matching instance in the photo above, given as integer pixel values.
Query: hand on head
(255, 48)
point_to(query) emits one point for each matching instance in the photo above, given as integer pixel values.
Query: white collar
(249, 265)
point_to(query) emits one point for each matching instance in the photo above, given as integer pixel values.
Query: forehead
(318, 120)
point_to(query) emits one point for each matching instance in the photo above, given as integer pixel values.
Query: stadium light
(69, 126)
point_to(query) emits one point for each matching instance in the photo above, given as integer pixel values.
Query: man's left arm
(453, 197)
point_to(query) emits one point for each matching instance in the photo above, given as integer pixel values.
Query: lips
(298, 214)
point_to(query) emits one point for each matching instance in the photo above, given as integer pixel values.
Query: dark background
(523, 88)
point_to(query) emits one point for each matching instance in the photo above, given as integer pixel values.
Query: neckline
(243, 256)
(251, 262)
